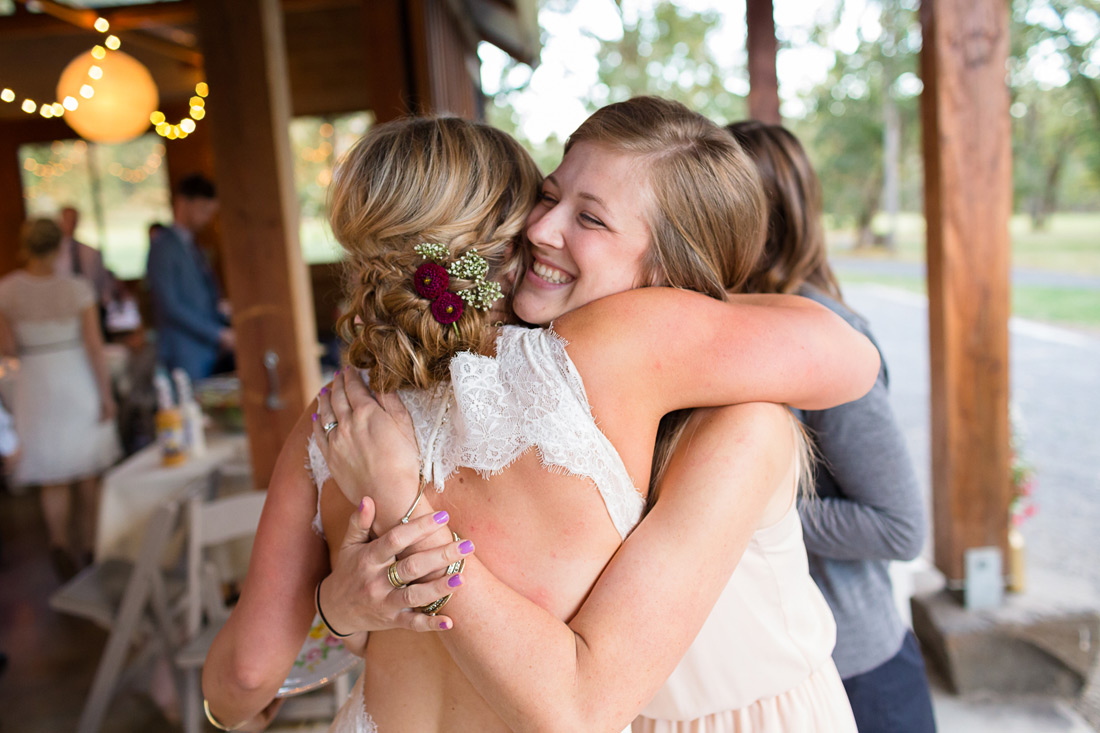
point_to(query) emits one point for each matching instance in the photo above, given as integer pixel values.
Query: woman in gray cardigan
(869, 510)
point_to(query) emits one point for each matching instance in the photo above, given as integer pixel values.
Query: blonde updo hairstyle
(451, 181)
(707, 212)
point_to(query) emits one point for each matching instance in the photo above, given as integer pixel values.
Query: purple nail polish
(324, 390)
(466, 547)
(315, 417)
(444, 625)
(441, 517)
(361, 503)
(454, 581)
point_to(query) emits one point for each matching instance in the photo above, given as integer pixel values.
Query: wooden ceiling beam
(84, 19)
(146, 17)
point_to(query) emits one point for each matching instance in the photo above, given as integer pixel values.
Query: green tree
(868, 97)
(668, 54)
(1054, 127)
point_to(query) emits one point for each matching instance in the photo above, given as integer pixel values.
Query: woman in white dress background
(62, 404)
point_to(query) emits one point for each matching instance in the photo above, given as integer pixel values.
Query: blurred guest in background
(869, 508)
(63, 406)
(192, 325)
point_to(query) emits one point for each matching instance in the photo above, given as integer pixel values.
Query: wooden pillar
(249, 115)
(390, 88)
(968, 202)
(420, 62)
(762, 48)
(12, 211)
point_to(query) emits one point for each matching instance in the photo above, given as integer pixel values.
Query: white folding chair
(131, 600)
(211, 523)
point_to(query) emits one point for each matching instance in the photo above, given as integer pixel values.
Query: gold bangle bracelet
(419, 493)
(210, 716)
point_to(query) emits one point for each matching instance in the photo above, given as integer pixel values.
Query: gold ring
(395, 579)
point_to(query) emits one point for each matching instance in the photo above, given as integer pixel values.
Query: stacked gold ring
(395, 579)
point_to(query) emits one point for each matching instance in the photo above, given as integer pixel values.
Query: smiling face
(588, 233)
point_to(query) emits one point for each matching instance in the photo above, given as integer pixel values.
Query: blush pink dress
(763, 660)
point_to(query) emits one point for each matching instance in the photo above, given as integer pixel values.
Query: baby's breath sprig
(470, 266)
(432, 251)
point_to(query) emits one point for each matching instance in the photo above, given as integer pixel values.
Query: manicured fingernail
(466, 547)
(362, 502)
(454, 581)
(315, 417)
(444, 625)
(324, 390)
(441, 517)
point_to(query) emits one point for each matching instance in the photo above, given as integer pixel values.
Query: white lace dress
(493, 410)
(56, 402)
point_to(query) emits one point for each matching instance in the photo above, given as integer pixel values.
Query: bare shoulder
(763, 430)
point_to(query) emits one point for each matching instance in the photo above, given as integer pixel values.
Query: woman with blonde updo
(510, 432)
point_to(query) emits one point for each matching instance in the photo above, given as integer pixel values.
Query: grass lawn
(1066, 306)
(1071, 243)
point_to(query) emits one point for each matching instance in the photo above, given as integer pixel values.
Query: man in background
(192, 325)
(76, 258)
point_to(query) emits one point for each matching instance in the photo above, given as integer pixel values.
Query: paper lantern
(123, 95)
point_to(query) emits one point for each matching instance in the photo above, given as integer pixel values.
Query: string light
(57, 109)
(176, 131)
(183, 128)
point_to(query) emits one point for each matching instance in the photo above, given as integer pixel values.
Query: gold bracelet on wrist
(419, 493)
(210, 716)
(456, 567)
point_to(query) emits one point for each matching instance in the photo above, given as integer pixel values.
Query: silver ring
(329, 427)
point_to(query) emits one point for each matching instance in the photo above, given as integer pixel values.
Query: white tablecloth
(135, 487)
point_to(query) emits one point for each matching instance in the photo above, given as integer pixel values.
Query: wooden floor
(51, 658)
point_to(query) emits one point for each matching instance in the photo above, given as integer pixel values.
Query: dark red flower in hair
(431, 280)
(447, 308)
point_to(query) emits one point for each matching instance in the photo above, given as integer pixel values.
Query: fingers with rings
(324, 420)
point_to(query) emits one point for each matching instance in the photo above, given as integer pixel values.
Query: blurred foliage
(668, 54)
(1056, 124)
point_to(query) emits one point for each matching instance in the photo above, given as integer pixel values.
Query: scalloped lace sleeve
(529, 395)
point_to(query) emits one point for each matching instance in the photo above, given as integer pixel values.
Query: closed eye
(593, 221)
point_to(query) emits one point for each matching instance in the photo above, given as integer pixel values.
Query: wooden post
(249, 113)
(968, 202)
(763, 81)
(420, 63)
(390, 87)
(12, 212)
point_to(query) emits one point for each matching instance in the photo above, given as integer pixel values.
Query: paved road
(1056, 394)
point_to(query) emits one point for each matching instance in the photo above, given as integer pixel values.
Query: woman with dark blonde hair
(63, 406)
(869, 509)
(510, 430)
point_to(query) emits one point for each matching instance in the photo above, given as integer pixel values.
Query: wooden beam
(266, 276)
(85, 19)
(762, 47)
(150, 16)
(12, 212)
(390, 88)
(968, 202)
